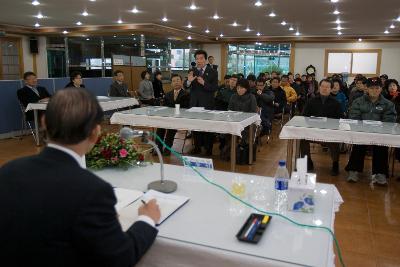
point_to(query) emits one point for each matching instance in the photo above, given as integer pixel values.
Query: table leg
(233, 153)
(251, 137)
(289, 155)
(35, 115)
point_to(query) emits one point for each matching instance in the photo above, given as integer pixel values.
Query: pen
(144, 202)
(253, 230)
(250, 227)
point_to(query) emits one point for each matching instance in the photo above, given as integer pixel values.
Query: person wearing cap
(371, 107)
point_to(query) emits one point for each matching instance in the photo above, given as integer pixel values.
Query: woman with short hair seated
(75, 80)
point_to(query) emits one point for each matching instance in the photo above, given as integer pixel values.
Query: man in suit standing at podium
(204, 84)
(54, 212)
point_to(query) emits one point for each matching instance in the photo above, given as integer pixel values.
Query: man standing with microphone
(204, 83)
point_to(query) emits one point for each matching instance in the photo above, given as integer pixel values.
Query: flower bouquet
(113, 151)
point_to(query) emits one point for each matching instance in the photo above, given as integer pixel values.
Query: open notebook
(129, 202)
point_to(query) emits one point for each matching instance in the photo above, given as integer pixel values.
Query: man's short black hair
(243, 83)
(326, 81)
(376, 81)
(143, 74)
(200, 52)
(117, 72)
(210, 57)
(240, 75)
(235, 76)
(285, 77)
(274, 72)
(260, 80)
(28, 73)
(363, 80)
(289, 73)
(71, 116)
(74, 75)
(276, 78)
(251, 77)
(176, 75)
(339, 82)
(157, 73)
(384, 76)
(227, 76)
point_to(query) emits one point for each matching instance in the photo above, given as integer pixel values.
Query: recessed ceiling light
(216, 16)
(386, 32)
(193, 6)
(207, 31)
(392, 26)
(283, 23)
(297, 33)
(234, 24)
(334, 1)
(114, 36)
(221, 35)
(291, 29)
(336, 12)
(359, 39)
(79, 23)
(338, 21)
(258, 34)
(120, 21)
(135, 10)
(85, 13)
(65, 32)
(247, 29)
(87, 39)
(142, 35)
(189, 37)
(37, 24)
(339, 33)
(165, 19)
(258, 3)
(189, 26)
(272, 14)
(398, 19)
(35, 3)
(39, 15)
(339, 28)
(92, 0)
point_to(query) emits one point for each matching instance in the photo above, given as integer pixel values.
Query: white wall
(314, 54)
(215, 51)
(41, 58)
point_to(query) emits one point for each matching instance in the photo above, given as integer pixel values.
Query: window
(261, 57)
(10, 61)
(352, 62)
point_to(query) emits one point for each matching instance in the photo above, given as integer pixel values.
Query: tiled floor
(367, 225)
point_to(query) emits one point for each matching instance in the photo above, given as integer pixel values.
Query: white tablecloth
(181, 123)
(202, 233)
(106, 103)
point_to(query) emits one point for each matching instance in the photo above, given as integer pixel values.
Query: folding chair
(25, 124)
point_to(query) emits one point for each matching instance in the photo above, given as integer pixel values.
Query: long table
(106, 103)
(338, 131)
(202, 232)
(226, 122)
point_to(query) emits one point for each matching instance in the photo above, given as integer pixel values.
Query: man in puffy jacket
(371, 107)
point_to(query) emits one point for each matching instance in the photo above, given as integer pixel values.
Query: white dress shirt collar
(81, 160)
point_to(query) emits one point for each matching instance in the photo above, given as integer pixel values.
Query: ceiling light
(207, 31)
(114, 36)
(35, 3)
(339, 33)
(359, 39)
(247, 29)
(258, 34)
(189, 26)
(165, 19)
(92, 0)
(334, 1)
(234, 24)
(189, 37)
(392, 26)
(39, 16)
(215, 16)
(37, 25)
(120, 21)
(336, 12)
(65, 32)
(339, 28)
(272, 14)
(85, 14)
(283, 23)
(258, 3)
(291, 29)
(221, 35)
(135, 10)
(87, 39)
(297, 33)
(398, 19)
(338, 21)
(193, 6)
(79, 23)
(386, 32)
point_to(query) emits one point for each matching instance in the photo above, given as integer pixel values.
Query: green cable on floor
(179, 156)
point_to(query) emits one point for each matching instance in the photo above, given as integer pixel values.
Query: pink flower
(123, 153)
(114, 159)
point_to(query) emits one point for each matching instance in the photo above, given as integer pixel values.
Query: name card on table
(348, 121)
(198, 163)
(373, 123)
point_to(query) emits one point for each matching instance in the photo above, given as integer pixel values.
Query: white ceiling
(309, 17)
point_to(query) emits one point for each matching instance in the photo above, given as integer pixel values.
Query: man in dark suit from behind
(31, 93)
(204, 84)
(177, 95)
(119, 88)
(54, 212)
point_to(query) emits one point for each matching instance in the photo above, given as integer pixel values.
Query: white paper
(349, 121)
(125, 197)
(372, 122)
(196, 109)
(344, 127)
(101, 97)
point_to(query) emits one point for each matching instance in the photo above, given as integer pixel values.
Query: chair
(187, 136)
(25, 124)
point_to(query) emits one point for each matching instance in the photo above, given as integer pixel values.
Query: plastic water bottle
(281, 187)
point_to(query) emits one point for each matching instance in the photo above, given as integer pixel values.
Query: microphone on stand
(164, 186)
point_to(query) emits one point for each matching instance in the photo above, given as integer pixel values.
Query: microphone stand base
(165, 186)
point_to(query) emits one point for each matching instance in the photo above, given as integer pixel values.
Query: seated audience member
(323, 105)
(75, 80)
(274, 74)
(265, 100)
(371, 107)
(311, 87)
(359, 90)
(280, 96)
(383, 78)
(226, 82)
(262, 76)
(66, 215)
(243, 100)
(304, 78)
(31, 93)
(146, 91)
(391, 89)
(119, 88)
(252, 81)
(291, 95)
(301, 94)
(176, 96)
(224, 95)
(337, 93)
(297, 76)
(158, 85)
